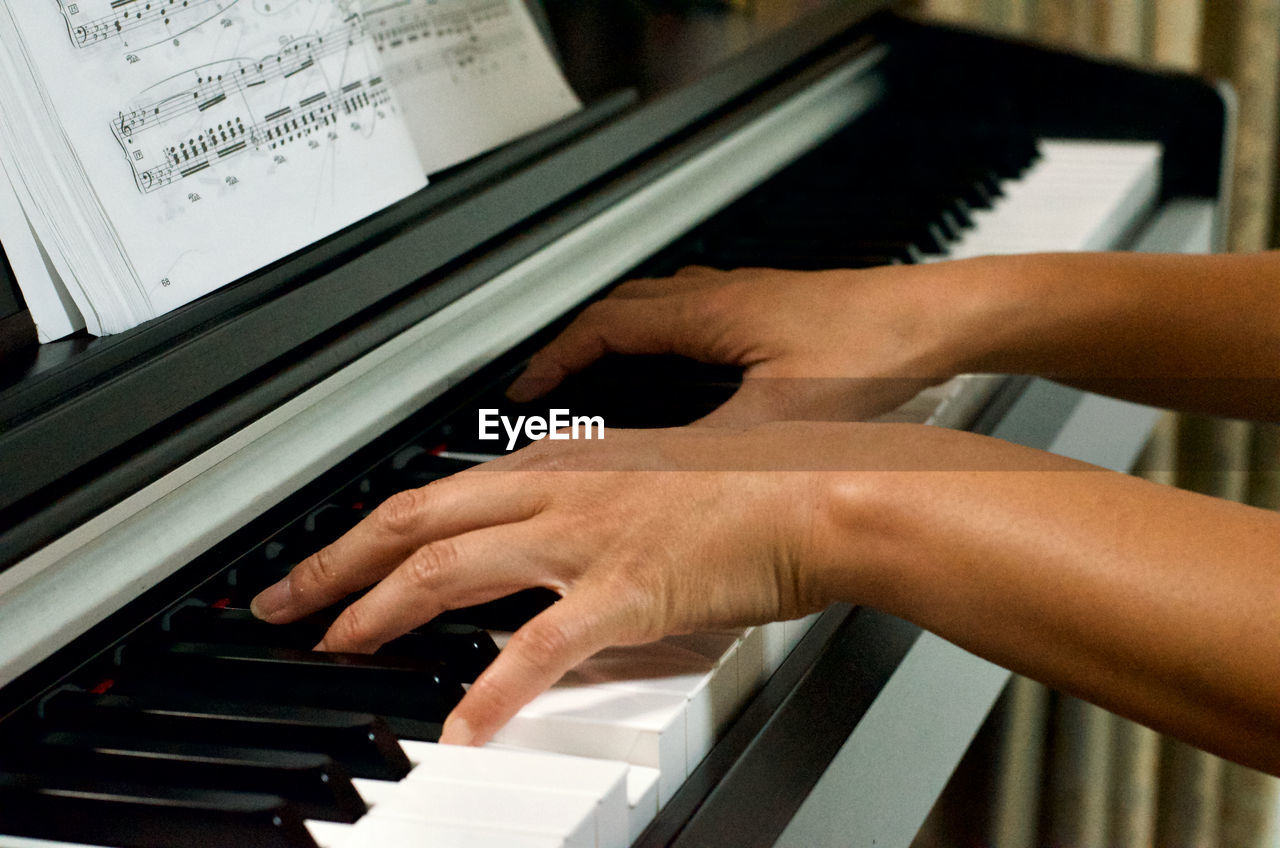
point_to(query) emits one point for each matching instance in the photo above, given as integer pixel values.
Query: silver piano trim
(63, 589)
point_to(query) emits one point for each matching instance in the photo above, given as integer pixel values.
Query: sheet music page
(219, 135)
(51, 306)
(470, 74)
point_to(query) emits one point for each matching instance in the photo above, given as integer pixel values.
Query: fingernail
(456, 732)
(272, 601)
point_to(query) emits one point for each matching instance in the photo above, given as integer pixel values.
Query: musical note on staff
(200, 119)
(152, 21)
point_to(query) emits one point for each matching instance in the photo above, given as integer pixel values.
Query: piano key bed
(204, 726)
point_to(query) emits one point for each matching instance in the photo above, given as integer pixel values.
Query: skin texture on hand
(1197, 333)
(818, 346)
(637, 550)
(644, 534)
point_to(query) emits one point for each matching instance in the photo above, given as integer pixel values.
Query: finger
(398, 527)
(612, 325)
(455, 572)
(537, 656)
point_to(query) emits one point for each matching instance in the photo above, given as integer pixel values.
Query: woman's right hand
(820, 346)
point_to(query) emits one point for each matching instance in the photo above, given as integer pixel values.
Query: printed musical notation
(312, 89)
(204, 117)
(420, 37)
(137, 22)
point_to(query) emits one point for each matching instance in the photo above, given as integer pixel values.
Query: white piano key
(750, 657)
(1080, 195)
(642, 798)
(795, 629)
(708, 688)
(716, 645)
(641, 728)
(329, 834)
(603, 781)
(774, 648)
(724, 647)
(566, 816)
(392, 832)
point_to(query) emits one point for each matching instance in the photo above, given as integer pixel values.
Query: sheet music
(195, 141)
(219, 135)
(51, 306)
(470, 74)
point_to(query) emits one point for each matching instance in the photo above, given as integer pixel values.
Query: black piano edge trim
(211, 367)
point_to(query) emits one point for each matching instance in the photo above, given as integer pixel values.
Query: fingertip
(272, 603)
(458, 731)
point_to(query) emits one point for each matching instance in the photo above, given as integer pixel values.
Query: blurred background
(1051, 770)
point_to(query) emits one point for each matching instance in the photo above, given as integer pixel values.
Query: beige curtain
(1057, 771)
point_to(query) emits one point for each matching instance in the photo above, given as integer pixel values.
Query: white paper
(164, 148)
(219, 135)
(52, 309)
(470, 74)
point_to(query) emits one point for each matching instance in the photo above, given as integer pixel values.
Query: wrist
(1040, 313)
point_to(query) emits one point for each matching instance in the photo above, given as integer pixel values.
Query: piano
(152, 481)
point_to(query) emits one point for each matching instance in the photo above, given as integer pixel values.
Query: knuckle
(540, 642)
(429, 564)
(314, 575)
(487, 692)
(716, 301)
(400, 513)
(349, 630)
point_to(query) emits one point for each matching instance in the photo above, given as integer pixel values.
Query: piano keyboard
(209, 728)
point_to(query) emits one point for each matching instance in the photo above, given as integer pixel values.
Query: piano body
(152, 480)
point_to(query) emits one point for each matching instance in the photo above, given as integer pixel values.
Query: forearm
(1189, 332)
(1156, 603)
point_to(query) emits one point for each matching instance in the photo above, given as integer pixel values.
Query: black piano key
(732, 256)
(465, 650)
(895, 250)
(262, 566)
(424, 459)
(509, 613)
(361, 743)
(387, 686)
(313, 783)
(148, 817)
(923, 230)
(324, 524)
(195, 622)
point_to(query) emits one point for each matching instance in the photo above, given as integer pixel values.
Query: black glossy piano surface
(181, 720)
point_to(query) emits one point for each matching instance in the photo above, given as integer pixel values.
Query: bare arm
(1189, 332)
(1157, 603)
